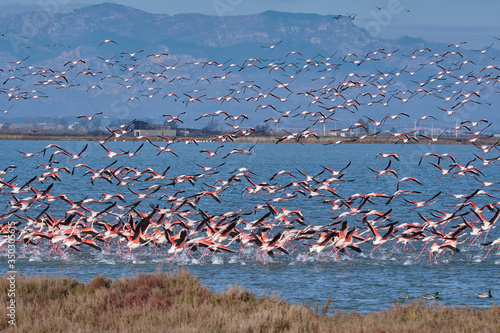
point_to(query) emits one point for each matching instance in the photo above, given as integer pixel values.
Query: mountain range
(51, 39)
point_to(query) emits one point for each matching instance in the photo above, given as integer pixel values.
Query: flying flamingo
(89, 118)
(107, 41)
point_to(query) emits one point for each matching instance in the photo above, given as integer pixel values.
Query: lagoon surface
(355, 281)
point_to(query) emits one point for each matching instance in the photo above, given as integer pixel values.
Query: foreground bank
(179, 302)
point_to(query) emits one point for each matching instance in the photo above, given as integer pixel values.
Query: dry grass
(179, 302)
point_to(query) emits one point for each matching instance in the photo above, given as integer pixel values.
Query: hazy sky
(443, 20)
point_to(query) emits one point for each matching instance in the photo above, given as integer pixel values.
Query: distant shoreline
(253, 139)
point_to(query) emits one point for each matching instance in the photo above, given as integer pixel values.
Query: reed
(180, 302)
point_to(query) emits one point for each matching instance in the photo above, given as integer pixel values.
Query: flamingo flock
(166, 213)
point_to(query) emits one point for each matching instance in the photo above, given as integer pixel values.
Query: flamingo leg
(488, 253)
(324, 260)
(303, 261)
(376, 247)
(423, 248)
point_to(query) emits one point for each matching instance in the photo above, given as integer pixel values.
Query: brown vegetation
(180, 303)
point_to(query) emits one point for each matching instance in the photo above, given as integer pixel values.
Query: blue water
(354, 281)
